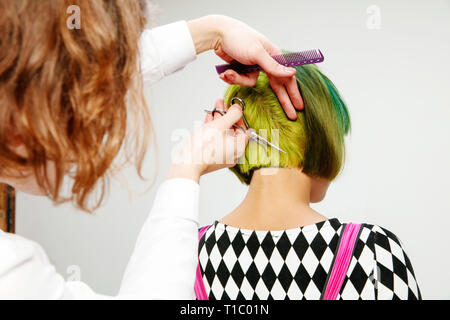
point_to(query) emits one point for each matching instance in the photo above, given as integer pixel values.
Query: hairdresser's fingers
(209, 117)
(217, 115)
(241, 141)
(291, 85)
(219, 105)
(225, 107)
(240, 122)
(283, 97)
(235, 147)
(233, 115)
(223, 55)
(223, 78)
(270, 47)
(270, 66)
(294, 93)
(246, 80)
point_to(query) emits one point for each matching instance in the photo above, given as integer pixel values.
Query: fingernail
(289, 70)
(237, 107)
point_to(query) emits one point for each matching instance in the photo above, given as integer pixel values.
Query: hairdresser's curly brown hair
(67, 94)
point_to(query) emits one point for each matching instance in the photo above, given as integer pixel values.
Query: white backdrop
(395, 80)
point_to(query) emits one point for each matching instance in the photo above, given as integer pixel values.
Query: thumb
(272, 67)
(233, 115)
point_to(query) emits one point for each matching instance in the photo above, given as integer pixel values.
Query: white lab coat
(163, 263)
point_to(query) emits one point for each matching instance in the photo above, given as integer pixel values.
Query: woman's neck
(277, 199)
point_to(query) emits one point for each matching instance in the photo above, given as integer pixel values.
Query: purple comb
(288, 59)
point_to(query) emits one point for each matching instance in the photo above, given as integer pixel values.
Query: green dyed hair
(313, 142)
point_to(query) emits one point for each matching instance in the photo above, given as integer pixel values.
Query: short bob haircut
(314, 142)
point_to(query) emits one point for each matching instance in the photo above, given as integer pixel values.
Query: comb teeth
(288, 59)
(299, 58)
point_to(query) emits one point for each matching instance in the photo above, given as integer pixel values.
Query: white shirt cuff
(165, 50)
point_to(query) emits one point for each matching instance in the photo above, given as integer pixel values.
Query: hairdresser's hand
(214, 146)
(233, 40)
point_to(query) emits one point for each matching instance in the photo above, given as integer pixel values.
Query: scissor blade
(260, 140)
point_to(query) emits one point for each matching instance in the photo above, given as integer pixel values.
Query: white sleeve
(166, 254)
(164, 50)
(162, 266)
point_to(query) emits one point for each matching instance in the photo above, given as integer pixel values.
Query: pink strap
(342, 261)
(199, 286)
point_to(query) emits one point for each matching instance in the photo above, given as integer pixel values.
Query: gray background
(396, 83)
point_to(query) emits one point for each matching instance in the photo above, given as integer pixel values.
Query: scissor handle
(217, 110)
(242, 103)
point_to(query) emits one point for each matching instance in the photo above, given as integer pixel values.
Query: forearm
(169, 48)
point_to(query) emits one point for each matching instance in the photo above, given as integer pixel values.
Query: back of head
(313, 142)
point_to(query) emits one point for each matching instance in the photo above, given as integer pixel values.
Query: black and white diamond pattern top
(293, 264)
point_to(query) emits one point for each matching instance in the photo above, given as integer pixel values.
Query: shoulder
(24, 266)
(14, 248)
(386, 245)
(393, 270)
(379, 237)
(18, 253)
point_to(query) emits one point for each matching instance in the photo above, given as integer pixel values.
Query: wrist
(206, 32)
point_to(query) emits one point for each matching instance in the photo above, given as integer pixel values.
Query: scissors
(247, 130)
